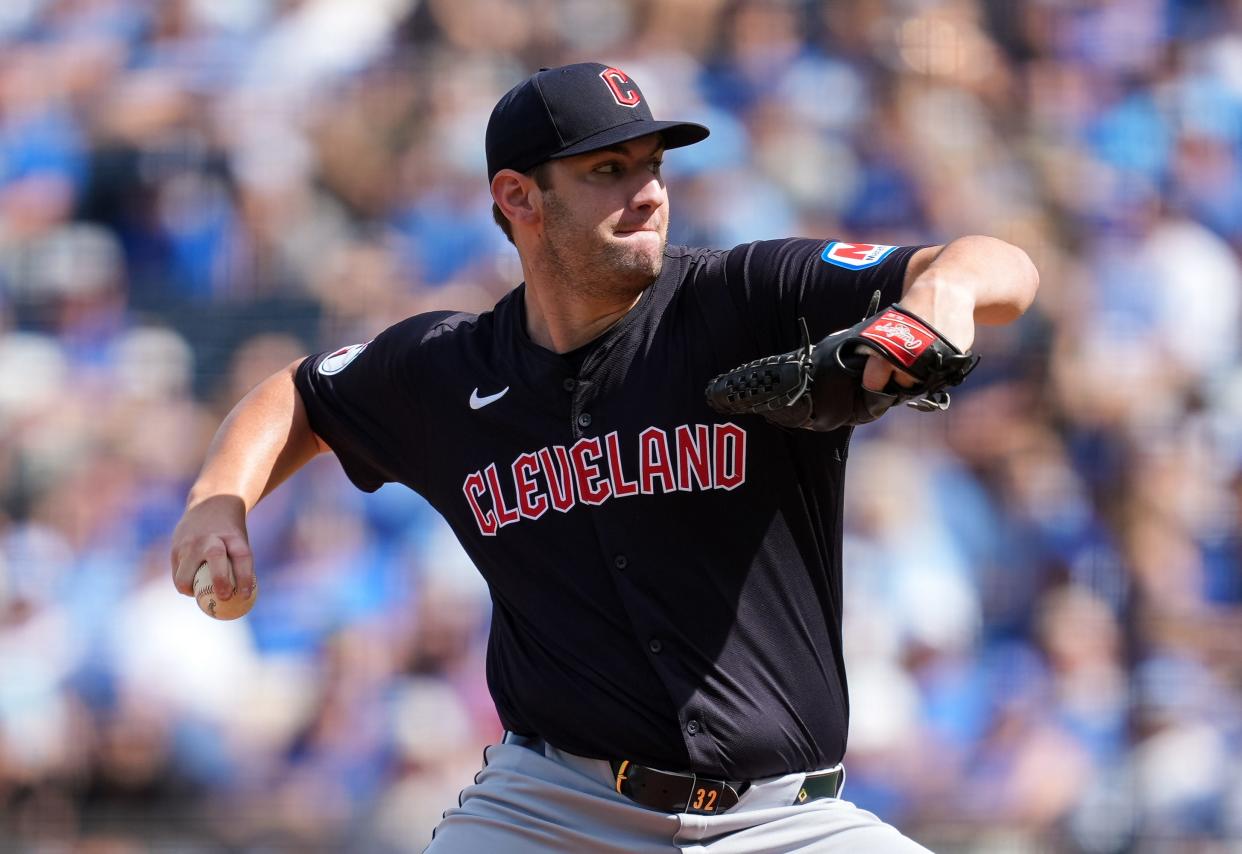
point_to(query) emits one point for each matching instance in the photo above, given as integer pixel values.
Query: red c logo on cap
(623, 89)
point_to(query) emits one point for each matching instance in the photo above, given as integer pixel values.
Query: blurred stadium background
(1045, 585)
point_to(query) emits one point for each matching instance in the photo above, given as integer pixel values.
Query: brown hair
(543, 180)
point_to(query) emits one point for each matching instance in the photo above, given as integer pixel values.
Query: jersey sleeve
(362, 401)
(828, 282)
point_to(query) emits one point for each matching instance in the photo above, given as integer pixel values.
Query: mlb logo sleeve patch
(855, 256)
(336, 362)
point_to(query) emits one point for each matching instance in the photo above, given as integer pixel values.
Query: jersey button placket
(655, 645)
(620, 561)
(582, 399)
(569, 384)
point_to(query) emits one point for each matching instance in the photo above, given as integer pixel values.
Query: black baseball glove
(819, 387)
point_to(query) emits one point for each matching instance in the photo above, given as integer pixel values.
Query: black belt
(669, 791)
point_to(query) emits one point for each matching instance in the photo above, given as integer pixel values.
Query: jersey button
(584, 420)
(692, 726)
(620, 561)
(569, 384)
(655, 646)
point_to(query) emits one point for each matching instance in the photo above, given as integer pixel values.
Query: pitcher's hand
(213, 532)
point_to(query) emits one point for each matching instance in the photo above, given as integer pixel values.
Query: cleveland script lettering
(591, 471)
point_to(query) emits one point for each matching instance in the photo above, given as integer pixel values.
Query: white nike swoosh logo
(477, 402)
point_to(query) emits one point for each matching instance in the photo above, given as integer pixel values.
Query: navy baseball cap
(558, 112)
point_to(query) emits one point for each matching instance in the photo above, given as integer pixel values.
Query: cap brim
(676, 135)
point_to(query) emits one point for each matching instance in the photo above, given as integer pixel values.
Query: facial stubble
(591, 265)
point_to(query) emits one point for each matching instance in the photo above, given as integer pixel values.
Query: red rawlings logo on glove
(899, 335)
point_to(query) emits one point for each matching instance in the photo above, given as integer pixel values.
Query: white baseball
(212, 605)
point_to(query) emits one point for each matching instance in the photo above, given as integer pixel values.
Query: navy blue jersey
(666, 581)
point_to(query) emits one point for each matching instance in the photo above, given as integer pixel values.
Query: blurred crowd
(1044, 585)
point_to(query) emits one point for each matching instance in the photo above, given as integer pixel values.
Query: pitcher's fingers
(904, 379)
(879, 371)
(876, 373)
(183, 577)
(242, 560)
(216, 556)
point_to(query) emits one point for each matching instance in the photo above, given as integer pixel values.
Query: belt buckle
(813, 785)
(706, 795)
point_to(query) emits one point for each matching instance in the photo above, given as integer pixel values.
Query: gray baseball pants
(531, 798)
